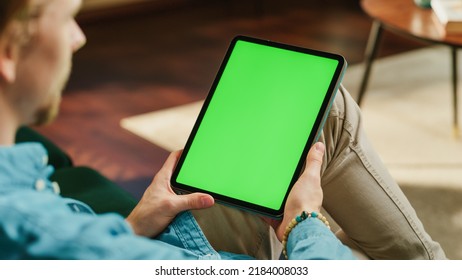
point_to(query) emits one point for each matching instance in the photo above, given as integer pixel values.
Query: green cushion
(56, 156)
(81, 183)
(89, 186)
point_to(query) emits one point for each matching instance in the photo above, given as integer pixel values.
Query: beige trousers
(359, 195)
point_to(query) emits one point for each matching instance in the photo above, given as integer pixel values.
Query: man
(38, 38)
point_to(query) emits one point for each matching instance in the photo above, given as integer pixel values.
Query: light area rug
(408, 118)
(168, 128)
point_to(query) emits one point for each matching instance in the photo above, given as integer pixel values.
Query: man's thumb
(195, 201)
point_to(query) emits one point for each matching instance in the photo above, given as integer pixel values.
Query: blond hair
(9, 10)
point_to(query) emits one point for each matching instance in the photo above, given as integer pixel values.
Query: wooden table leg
(371, 52)
(455, 91)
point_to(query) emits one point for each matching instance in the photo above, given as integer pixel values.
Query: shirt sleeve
(40, 226)
(311, 239)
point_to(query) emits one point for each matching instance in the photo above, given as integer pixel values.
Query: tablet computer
(265, 109)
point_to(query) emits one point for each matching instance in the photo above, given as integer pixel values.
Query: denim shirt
(37, 223)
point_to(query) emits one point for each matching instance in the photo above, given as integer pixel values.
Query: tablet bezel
(313, 137)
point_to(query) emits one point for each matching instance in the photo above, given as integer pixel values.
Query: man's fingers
(314, 161)
(194, 201)
(171, 161)
(315, 155)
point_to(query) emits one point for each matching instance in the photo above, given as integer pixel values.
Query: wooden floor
(159, 57)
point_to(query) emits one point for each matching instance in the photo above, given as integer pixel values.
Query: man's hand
(306, 194)
(159, 204)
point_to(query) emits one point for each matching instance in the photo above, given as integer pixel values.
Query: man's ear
(8, 58)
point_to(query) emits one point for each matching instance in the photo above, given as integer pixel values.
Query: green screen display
(255, 128)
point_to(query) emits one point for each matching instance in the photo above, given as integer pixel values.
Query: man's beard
(47, 114)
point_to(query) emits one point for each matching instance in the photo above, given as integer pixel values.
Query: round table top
(403, 16)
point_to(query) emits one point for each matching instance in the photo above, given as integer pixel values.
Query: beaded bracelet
(303, 216)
